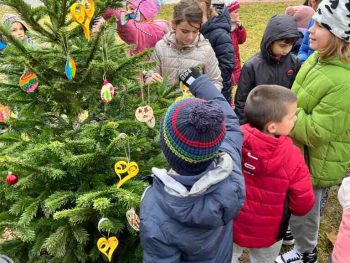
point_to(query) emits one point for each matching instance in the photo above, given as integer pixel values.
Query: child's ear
(271, 127)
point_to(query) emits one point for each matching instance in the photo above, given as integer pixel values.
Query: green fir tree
(64, 160)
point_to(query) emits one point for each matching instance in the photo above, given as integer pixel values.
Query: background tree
(62, 141)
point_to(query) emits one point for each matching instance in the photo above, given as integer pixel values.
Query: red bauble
(11, 178)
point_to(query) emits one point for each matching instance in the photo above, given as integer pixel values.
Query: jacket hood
(198, 206)
(259, 146)
(222, 21)
(279, 27)
(170, 40)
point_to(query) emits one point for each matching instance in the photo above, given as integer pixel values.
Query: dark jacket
(277, 183)
(217, 30)
(189, 218)
(264, 68)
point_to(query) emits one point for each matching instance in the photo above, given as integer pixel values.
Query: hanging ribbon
(108, 245)
(82, 13)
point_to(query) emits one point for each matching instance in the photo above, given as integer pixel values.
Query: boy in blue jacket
(187, 214)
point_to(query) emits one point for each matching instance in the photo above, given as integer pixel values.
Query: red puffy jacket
(277, 183)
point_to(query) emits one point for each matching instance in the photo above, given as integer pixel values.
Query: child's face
(17, 30)
(234, 15)
(319, 37)
(285, 126)
(186, 33)
(280, 48)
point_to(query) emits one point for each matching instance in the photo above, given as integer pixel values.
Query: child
(3, 43)
(17, 28)
(302, 15)
(186, 215)
(216, 28)
(185, 47)
(276, 177)
(274, 64)
(341, 252)
(137, 26)
(322, 128)
(305, 51)
(238, 37)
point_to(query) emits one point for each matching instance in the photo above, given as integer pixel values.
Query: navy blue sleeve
(245, 84)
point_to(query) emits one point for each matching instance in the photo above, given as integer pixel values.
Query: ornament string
(104, 54)
(127, 146)
(65, 46)
(99, 226)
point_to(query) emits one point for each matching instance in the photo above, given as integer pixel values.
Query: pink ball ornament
(107, 92)
(11, 178)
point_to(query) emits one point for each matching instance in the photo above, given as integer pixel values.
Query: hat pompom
(206, 116)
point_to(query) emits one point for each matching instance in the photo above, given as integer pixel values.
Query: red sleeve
(301, 197)
(241, 35)
(108, 13)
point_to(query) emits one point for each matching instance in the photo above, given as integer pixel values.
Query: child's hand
(97, 24)
(203, 6)
(189, 75)
(344, 193)
(155, 77)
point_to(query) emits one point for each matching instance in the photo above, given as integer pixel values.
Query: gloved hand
(344, 193)
(190, 75)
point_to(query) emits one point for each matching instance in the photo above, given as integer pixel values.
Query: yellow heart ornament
(122, 168)
(82, 13)
(107, 246)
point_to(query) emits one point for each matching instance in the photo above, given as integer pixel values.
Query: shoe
(310, 257)
(288, 238)
(292, 256)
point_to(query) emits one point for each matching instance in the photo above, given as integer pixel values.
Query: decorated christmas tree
(66, 141)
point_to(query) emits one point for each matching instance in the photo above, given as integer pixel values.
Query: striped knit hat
(190, 135)
(232, 5)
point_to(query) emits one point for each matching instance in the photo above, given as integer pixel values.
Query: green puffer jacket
(323, 127)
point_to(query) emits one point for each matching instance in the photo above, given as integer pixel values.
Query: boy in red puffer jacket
(277, 179)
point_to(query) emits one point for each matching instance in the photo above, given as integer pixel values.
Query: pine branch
(57, 200)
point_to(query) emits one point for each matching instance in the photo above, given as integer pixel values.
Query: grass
(254, 18)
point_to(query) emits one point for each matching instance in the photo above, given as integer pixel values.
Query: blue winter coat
(189, 218)
(305, 51)
(217, 30)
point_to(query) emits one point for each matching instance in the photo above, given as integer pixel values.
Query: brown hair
(289, 41)
(336, 47)
(308, 3)
(267, 103)
(188, 11)
(210, 11)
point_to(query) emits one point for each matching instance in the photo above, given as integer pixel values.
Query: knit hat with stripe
(232, 6)
(191, 133)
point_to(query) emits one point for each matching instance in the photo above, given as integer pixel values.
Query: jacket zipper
(306, 149)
